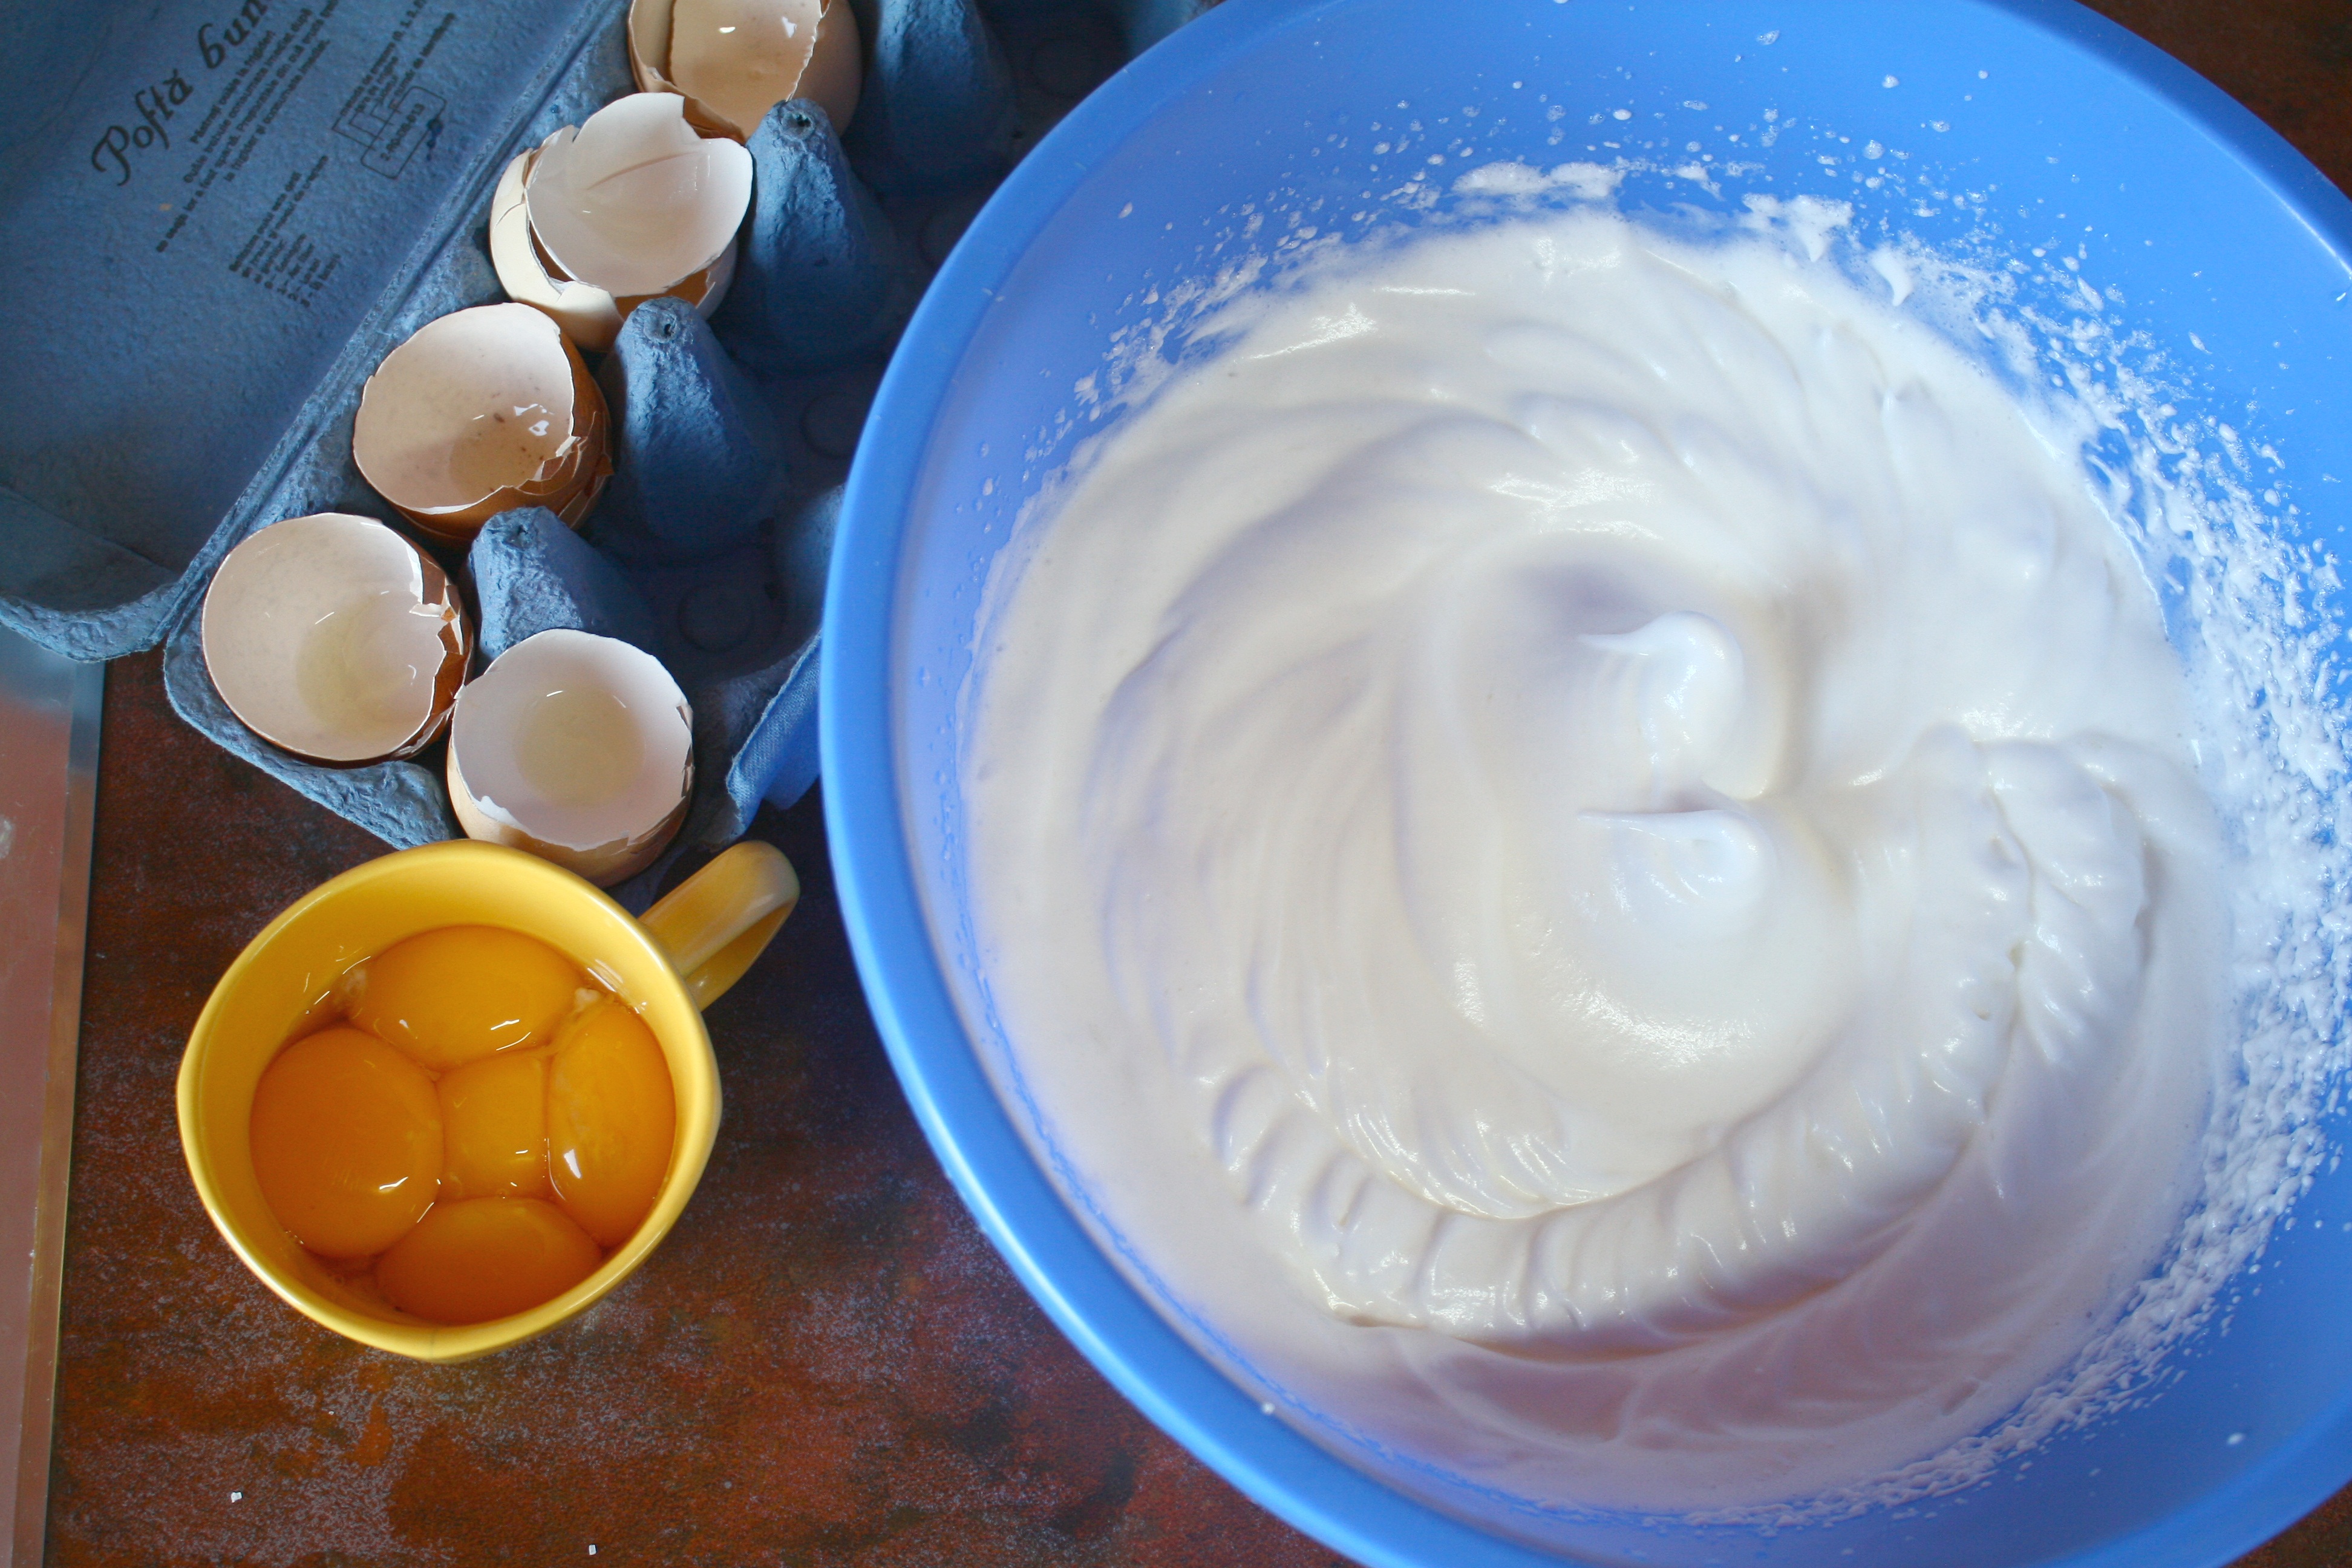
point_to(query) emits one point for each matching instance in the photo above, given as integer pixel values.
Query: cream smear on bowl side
(1593, 854)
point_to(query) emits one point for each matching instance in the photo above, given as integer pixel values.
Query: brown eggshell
(729, 91)
(577, 748)
(636, 200)
(589, 317)
(481, 411)
(334, 638)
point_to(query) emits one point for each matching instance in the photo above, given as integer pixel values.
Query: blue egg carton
(225, 213)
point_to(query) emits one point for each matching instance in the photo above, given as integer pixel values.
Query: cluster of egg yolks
(425, 1137)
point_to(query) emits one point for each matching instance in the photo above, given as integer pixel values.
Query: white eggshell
(333, 637)
(577, 748)
(635, 201)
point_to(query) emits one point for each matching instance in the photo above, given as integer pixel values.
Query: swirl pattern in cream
(1600, 800)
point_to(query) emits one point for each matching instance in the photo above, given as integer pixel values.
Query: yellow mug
(676, 961)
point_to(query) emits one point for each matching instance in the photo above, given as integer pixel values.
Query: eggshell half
(577, 748)
(636, 200)
(589, 316)
(481, 411)
(334, 638)
(733, 60)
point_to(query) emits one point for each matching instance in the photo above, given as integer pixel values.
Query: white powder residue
(1584, 182)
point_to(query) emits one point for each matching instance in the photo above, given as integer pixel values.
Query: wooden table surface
(824, 1365)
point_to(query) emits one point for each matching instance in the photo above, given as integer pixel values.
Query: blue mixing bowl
(2029, 126)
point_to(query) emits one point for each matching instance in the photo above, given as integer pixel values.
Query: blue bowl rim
(977, 1144)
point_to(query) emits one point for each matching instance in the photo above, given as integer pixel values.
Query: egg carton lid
(230, 206)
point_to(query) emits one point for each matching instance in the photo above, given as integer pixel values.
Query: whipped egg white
(1588, 850)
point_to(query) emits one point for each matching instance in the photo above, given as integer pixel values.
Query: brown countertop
(824, 1365)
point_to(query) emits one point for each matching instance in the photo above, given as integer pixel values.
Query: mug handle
(717, 922)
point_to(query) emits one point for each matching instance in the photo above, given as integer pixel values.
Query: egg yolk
(346, 1136)
(454, 995)
(478, 1258)
(473, 1128)
(494, 1128)
(611, 1117)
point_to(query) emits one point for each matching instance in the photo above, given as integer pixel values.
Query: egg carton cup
(708, 547)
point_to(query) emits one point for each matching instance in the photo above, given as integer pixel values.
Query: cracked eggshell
(334, 638)
(481, 411)
(577, 748)
(733, 60)
(636, 202)
(589, 316)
